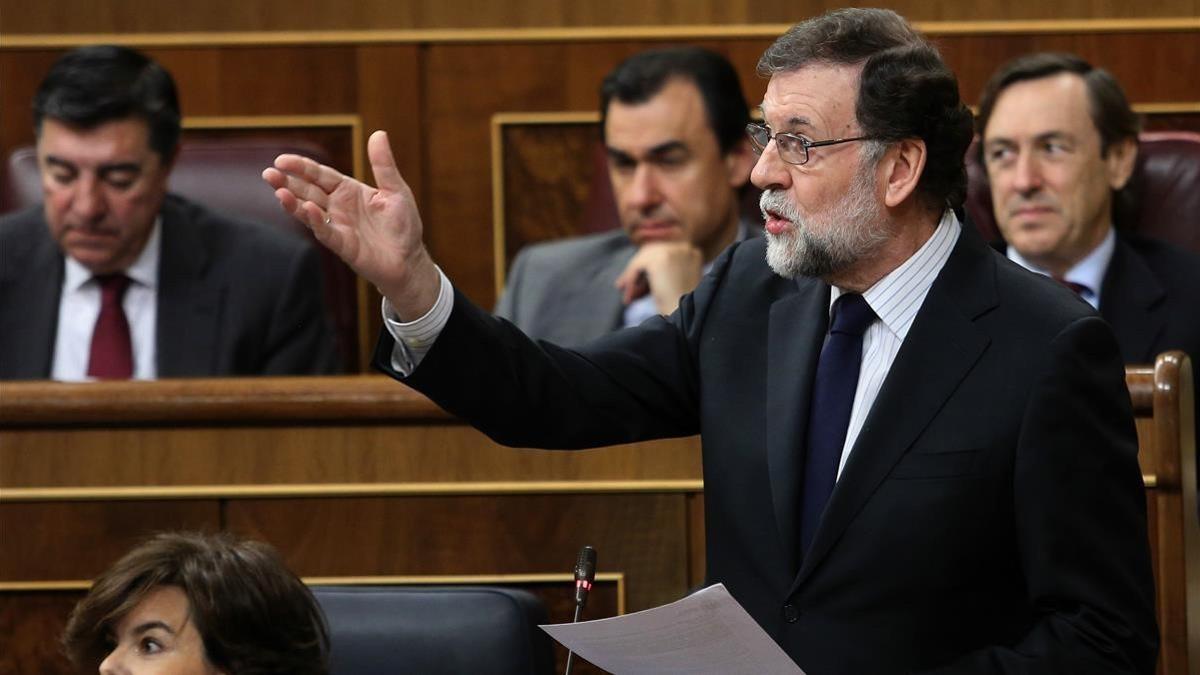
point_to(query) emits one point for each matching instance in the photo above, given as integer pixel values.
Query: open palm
(377, 231)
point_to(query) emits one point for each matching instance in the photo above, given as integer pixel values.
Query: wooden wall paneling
(1151, 66)
(244, 432)
(144, 16)
(551, 177)
(697, 551)
(78, 540)
(30, 625)
(391, 96)
(643, 536)
(387, 458)
(20, 73)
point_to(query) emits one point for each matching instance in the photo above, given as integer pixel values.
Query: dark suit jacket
(1151, 298)
(234, 298)
(990, 518)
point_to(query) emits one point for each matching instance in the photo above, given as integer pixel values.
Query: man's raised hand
(377, 231)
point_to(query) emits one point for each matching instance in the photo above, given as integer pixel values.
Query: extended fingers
(325, 177)
(383, 163)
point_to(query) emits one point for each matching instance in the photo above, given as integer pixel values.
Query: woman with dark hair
(187, 604)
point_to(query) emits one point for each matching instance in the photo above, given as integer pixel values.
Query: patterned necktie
(111, 355)
(832, 398)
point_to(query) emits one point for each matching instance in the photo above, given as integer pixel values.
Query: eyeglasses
(792, 149)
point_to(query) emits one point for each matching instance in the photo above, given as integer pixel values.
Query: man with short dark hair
(114, 278)
(918, 457)
(673, 122)
(1059, 143)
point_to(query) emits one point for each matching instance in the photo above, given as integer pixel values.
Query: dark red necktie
(111, 356)
(1077, 287)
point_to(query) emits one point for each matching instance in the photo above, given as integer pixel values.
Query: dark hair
(905, 90)
(89, 86)
(641, 76)
(1107, 105)
(254, 616)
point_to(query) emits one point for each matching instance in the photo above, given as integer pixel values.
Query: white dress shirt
(895, 299)
(79, 305)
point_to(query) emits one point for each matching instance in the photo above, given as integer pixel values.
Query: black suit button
(790, 613)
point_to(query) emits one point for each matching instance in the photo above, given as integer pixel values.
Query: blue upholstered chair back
(434, 630)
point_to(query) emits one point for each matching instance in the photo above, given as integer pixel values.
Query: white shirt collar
(1088, 272)
(896, 297)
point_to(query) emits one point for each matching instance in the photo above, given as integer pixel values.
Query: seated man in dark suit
(1059, 140)
(672, 121)
(114, 278)
(918, 456)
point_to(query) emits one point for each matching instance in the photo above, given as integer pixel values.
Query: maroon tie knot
(111, 355)
(112, 287)
(1073, 285)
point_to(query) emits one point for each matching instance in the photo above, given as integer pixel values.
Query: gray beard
(847, 232)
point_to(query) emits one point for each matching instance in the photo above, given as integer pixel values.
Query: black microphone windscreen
(585, 566)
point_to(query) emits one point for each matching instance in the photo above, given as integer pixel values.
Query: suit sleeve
(1080, 521)
(300, 339)
(631, 385)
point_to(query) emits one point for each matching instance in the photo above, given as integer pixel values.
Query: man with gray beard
(918, 457)
(823, 249)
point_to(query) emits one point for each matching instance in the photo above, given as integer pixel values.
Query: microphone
(585, 574)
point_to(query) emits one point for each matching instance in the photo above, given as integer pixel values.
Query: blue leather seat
(433, 630)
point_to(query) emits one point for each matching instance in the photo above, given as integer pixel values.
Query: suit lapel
(27, 337)
(796, 332)
(188, 304)
(1129, 300)
(940, 349)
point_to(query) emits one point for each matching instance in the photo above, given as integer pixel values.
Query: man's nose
(770, 172)
(644, 192)
(89, 203)
(1027, 173)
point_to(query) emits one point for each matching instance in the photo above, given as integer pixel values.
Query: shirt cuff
(414, 339)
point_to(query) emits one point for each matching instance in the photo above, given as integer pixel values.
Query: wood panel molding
(604, 33)
(260, 399)
(345, 490)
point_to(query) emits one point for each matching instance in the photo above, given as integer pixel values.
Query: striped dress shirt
(895, 299)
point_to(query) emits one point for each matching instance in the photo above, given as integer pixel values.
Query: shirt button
(790, 613)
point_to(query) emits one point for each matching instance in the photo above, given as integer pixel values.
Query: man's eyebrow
(116, 167)
(618, 155)
(797, 121)
(668, 147)
(1055, 135)
(1052, 135)
(657, 151)
(59, 162)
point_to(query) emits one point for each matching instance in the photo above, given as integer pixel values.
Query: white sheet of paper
(706, 632)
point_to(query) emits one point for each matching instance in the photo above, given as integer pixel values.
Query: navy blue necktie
(829, 416)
